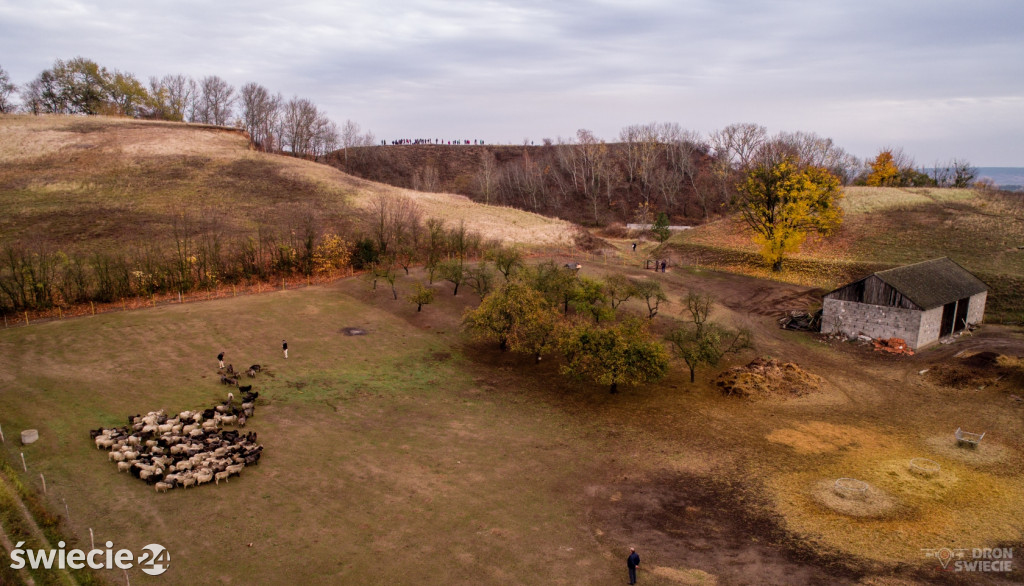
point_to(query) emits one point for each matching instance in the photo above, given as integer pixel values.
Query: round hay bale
(851, 488)
(29, 436)
(925, 467)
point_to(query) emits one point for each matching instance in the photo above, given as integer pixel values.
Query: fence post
(44, 482)
(60, 313)
(232, 290)
(26, 318)
(180, 300)
(93, 306)
(23, 464)
(5, 321)
(2, 440)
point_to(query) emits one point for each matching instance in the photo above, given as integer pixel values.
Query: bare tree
(260, 113)
(6, 89)
(738, 143)
(171, 96)
(216, 101)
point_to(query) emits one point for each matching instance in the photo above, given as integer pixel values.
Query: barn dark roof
(933, 283)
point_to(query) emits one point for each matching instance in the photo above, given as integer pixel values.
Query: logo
(978, 559)
(155, 560)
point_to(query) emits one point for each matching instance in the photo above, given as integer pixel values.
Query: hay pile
(766, 377)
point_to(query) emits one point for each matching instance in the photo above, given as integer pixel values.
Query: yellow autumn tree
(782, 202)
(884, 170)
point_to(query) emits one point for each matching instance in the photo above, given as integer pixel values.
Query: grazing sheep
(241, 420)
(251, 373)
(123, 466)
(256, 368)
(163, 486)
(231, 369)
(234, 470)
(188, 481)
(245, 389)
(204, 476)
(220, 476)
(228, 419)
(116, 456)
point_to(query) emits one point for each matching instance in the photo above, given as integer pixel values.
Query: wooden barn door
(948, 313)
(961, 314)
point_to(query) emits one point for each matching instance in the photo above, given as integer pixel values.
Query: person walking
(631, 563)
(284, 346)
(634, 247)
(220, 359)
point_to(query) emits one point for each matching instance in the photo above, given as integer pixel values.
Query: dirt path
(7, 545)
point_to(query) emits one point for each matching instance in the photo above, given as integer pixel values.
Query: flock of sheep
(189, 449)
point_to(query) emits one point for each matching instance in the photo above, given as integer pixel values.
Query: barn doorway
(961, 314)
(954, 317)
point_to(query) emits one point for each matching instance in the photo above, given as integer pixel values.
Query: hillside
(593, 184)
(96, 183)
(886, 227)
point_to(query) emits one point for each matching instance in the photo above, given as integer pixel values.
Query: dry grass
(886, 227)
(96, 182)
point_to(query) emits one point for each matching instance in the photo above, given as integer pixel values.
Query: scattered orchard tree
(517, 317)
(701, 342)
(652, 293)
(615, 354)
(421, 296)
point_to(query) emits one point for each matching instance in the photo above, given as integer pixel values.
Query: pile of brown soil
(764, 377)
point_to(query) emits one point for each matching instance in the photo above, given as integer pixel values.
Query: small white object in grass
(924, 371)
(29, 436)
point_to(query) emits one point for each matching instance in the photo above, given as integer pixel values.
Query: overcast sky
(941, 79)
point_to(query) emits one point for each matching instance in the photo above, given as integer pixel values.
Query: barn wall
(874, 291)
(931, 322)
(976, 312)
(851, 319)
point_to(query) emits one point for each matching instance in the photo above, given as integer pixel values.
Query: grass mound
(766, 377)
(873, 502)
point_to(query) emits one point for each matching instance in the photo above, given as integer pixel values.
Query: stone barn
(920, 303)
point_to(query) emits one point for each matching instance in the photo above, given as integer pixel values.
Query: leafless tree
(172, 96)
(738, 143)
(7, 88)
(216, 101)
(260, 113)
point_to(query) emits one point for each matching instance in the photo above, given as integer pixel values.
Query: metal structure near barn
(919, 303)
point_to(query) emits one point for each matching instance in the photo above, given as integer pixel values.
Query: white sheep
(220, 476)
(163, 486)
(124, 466)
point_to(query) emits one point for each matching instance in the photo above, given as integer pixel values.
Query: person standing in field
(220, 359)
(284, 346)
(631, 563)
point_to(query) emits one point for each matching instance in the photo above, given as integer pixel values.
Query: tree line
(274, 124)
(647, 169)
(393, 234)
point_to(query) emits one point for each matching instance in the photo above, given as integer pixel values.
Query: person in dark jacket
(220, 359)
(632, 562)
(284, 346)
